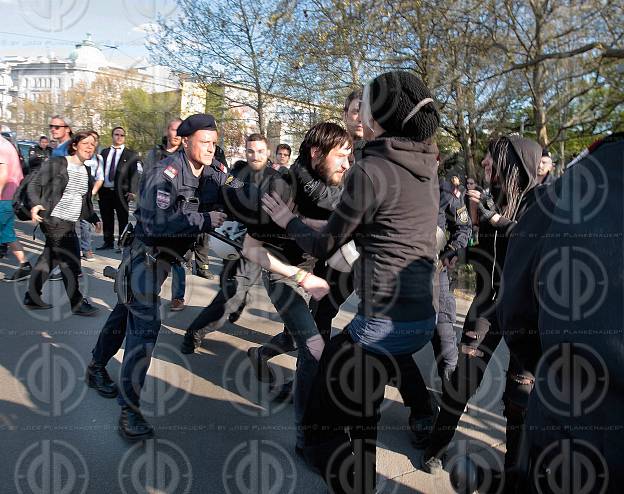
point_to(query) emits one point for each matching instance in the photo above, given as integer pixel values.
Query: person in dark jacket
(563, 324)
(61, 194)
(389, 207)
(38, 154)
(514, 162)
(121, 178)
(174, 206)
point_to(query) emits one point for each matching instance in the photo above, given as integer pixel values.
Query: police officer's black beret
(199, 121)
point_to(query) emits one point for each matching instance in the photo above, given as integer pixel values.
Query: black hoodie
(389, 206)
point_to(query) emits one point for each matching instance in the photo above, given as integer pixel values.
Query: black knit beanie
(393, 96)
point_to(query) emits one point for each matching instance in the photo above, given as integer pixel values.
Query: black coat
(46, 189)
(564, 304)
(127, 171)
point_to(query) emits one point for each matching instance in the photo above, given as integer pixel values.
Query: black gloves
(487, 207)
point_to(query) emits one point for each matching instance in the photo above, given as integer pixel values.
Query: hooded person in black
(514, 170)
(563, 323)
(389, 207)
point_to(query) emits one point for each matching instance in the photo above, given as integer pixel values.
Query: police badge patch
(163, 199)
(170, 172)
(462, 216)
(233, 182)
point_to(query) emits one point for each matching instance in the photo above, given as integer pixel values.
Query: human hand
(474, 196)
(34, 214)
(277, 209)
(315, 286)
(217, 218)
(98, 227)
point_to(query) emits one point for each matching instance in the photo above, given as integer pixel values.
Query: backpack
(21, 203)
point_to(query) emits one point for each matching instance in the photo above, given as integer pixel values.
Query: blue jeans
(178, 281)
(85, 236)
(444, 340)
(291, 303)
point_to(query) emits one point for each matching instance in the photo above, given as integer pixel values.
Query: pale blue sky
(59, 24)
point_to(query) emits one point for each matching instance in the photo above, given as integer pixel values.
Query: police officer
(173, 198)
(452, 217)
(38, 154)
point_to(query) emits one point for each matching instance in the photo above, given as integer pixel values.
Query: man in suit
(121, 175)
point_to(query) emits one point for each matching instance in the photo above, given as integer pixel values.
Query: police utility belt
(133, 248)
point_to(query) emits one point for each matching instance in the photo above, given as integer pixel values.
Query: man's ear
(185, 142)
(315, 153)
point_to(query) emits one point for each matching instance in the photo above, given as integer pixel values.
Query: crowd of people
(361, 209)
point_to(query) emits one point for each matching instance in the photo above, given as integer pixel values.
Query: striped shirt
(70, 205)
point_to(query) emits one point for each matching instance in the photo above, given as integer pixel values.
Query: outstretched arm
(255, 252)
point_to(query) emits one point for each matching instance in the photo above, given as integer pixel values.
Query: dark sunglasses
(58, 126)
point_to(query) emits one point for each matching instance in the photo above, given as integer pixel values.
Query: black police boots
(97, 378)
(133, 426)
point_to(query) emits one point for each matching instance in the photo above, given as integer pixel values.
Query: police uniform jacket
(453, 216)
(174, 205)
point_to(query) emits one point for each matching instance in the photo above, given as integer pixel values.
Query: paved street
(217, 431)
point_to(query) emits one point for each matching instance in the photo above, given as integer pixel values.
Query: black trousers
(111, 202)
(202, 252)
(340, 422)
(59, 250)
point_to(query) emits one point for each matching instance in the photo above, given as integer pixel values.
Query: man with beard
(323, 161)
(174, 204)
(237, 276)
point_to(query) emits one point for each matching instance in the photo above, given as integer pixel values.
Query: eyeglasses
(56, 127)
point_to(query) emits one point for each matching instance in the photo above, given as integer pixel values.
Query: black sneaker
(29, 303)
(203, 271)
(97, 378)
(264, 373)
(133, 426)
(21, 273)
(189, 344)
(85, 309)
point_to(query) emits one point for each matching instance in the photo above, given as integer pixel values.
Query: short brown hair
(355, 94)
(76, 138)
(325, 136)
(285, 147)
(257, 138)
